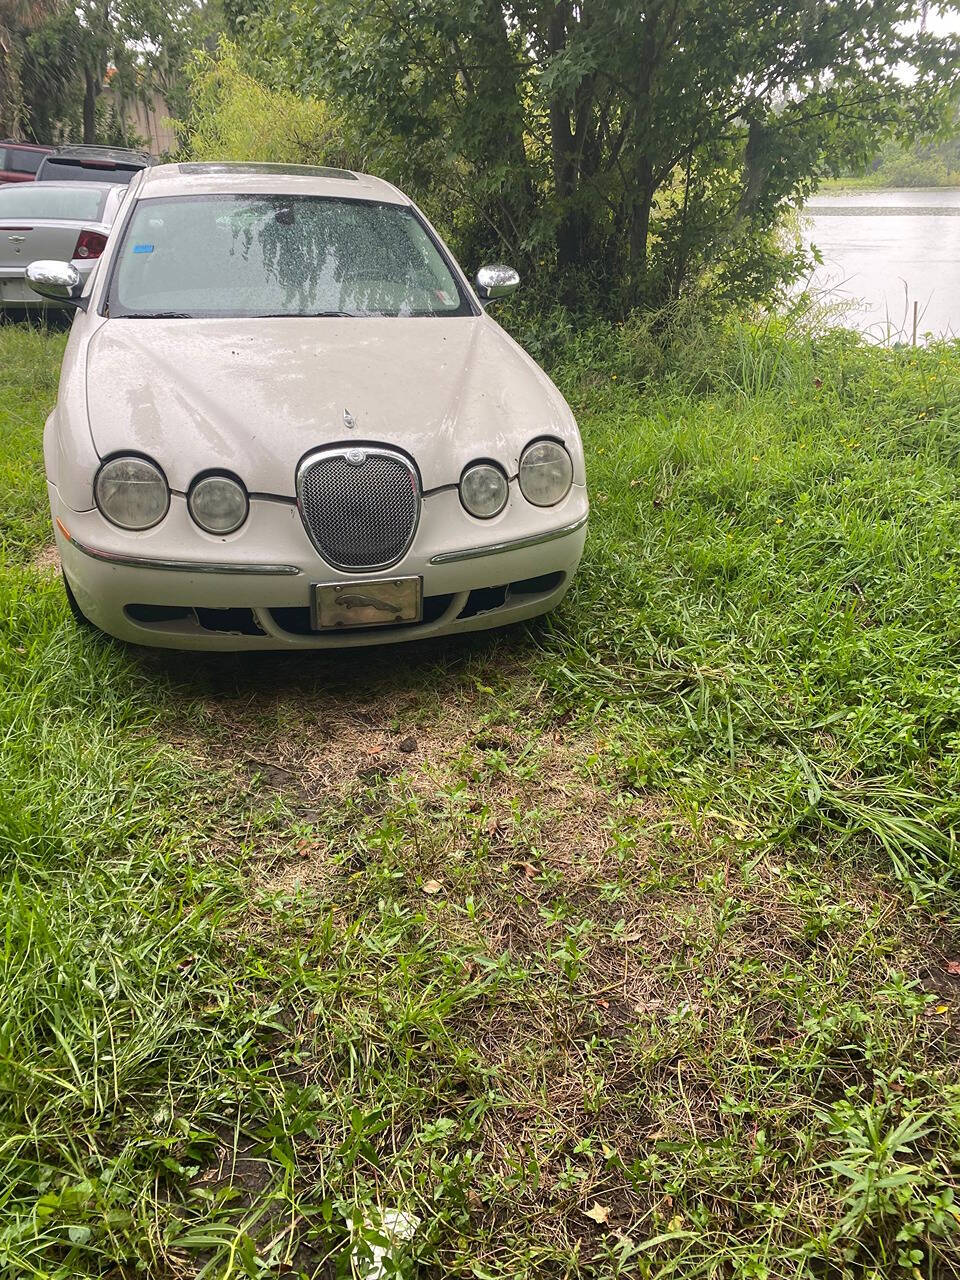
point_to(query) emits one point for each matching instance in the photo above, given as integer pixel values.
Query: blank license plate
(366, 604)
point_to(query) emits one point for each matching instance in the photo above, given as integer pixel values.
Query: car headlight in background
(132, 492)
(546, 473)
(218, 503)
(484, 490)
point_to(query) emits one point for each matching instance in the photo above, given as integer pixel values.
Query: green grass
(620, 945)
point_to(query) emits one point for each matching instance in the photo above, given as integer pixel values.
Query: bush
(235, 116)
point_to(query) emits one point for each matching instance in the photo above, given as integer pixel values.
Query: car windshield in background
(280, 255)
(59, 204)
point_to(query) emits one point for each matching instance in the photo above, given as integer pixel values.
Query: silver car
(69, 221)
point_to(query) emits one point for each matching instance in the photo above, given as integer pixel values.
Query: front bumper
(179, 588)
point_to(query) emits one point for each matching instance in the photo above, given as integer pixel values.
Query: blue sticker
(143, 248)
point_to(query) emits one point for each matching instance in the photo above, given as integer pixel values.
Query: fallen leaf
(598, 1213)
(953, 966)
(432, 886)
(942, 1008)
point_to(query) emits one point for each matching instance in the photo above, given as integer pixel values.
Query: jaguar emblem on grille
(356, 457)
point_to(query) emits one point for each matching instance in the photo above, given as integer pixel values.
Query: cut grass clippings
(620, 944)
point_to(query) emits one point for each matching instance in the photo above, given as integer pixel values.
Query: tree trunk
(10, 98)
(640, 220)
(90, 90)
(563, 154)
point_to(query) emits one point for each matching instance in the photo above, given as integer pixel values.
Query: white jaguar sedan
(286, 420)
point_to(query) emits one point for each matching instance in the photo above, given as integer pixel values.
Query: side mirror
(496, 282)
(56, 281)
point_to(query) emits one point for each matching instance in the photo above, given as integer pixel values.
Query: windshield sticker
(143, 248)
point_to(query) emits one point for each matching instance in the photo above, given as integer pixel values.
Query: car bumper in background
(176, 587)
(16, 294)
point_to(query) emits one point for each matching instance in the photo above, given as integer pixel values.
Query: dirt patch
(468, 796)
(47, 560)
(603, 981)
(518, 812)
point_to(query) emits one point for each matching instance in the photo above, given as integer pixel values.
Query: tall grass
(778, 512)
(620, 945)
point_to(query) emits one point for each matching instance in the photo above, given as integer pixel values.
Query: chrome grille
(360, 514)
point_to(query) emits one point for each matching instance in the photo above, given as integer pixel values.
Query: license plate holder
(336, 606)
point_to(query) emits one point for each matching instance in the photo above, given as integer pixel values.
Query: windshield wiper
(154, 315)
(304, 315)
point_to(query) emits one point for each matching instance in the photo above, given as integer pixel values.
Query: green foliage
(49, 77)
(234, 116)
(931, 164)
(621, 153)
(64, 52)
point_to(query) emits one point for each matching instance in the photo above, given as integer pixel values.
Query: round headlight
(219, 504)
(132, 492)
(546, 473)
(483, 490)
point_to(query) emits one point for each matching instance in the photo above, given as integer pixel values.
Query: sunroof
(227, 167)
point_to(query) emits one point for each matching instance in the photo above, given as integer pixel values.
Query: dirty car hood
(253, 396)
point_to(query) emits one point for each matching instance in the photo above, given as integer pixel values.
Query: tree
(62, 54)
(144, 40)
(18, 18)
(627, 147)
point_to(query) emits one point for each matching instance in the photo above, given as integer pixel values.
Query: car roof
(27, 146)
(70, 186)
(211, 177)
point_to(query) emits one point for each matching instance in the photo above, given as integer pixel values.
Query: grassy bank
(887, 182)
(623, 944)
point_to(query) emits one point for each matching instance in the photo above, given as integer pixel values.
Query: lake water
(884, 250)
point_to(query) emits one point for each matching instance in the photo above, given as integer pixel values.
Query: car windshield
(280, 255)
(61, 204)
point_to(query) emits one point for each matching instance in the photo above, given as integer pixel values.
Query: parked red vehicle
(19, 161)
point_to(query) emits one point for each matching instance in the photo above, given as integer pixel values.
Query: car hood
(253, 396)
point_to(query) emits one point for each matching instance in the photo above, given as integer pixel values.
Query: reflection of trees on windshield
(339, 256)
(261, 255)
